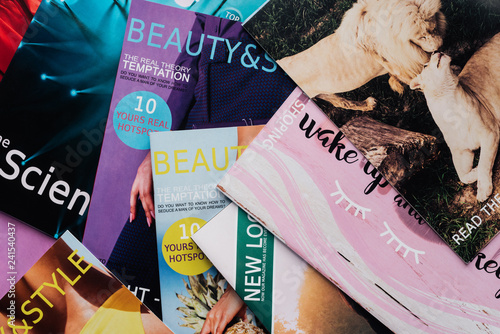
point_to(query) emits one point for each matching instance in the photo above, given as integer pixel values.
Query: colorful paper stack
(249, 166)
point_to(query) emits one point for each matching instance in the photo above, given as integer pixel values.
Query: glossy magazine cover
(315, 191)
(284, 292)
(186, 168)
(55, 98)
(363, 63)
(69, 291)
(178, 70)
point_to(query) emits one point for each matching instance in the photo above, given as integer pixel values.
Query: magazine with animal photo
(68, 290)
(309, 185)
(283, 291)
(178, 69)
(428, 123)
(187, 165)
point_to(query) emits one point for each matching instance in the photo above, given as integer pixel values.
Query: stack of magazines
(257, 166)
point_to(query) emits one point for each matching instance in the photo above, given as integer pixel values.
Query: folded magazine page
(284, 292)
(69, 291)
(178, 70)
(55, 99)
(315, 191)
(186, 168)
(363, 63)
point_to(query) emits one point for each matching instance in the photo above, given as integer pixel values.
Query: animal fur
(467, 110)
(375, 37)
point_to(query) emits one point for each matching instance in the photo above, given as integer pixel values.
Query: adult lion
(375, 37)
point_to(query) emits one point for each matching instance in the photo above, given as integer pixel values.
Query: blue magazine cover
(187, 165)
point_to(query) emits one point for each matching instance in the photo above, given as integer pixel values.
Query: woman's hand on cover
(143, 188)
(223, 312)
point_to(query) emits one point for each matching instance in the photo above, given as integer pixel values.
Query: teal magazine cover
(55, 98)
(236, 10)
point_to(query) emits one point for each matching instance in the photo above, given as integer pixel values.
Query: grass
(287, 27)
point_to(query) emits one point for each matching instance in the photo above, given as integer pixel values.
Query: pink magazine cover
(316, 192)
(285, 293)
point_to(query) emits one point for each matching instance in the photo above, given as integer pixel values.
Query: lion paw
(470, 177)
(484, 192)
(371, 103)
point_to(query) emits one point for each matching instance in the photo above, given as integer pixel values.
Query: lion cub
(467, 110)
